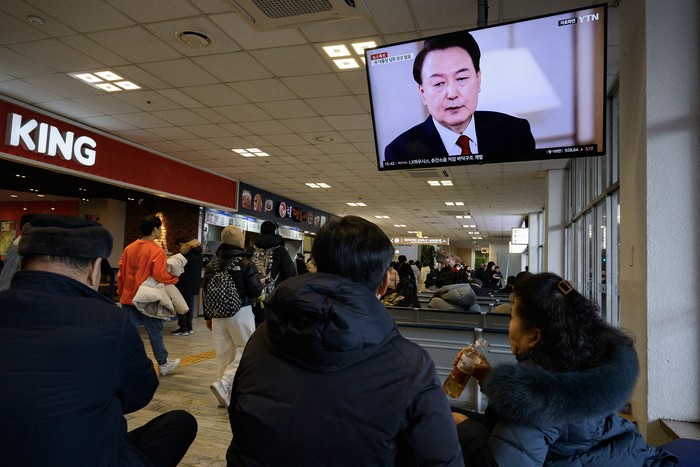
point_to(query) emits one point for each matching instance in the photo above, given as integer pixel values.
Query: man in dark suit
(449, 81)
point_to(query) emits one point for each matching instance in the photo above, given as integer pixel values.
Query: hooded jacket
(454, 297)
(328, 380)
(537, 417)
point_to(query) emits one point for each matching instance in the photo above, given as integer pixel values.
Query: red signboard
(27, 134)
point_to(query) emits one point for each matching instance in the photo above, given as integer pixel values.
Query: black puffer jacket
(328, 380)
(537, 417)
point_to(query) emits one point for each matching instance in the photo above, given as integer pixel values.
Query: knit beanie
(232, 235)
(57, 235)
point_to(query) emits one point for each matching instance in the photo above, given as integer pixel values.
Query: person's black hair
(402, 258)
(353, 248)
(181, 241)
(149, 223)
(26, 218)
(510, 280)
(573, 335)
(461, 39)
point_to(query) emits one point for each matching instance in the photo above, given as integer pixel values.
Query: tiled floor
(187, 388)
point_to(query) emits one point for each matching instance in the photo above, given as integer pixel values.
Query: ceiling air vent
(428, 174)
(266, 15)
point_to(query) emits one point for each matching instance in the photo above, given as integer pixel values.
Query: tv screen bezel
(540, 153)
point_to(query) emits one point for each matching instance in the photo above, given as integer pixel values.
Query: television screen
(527, 90)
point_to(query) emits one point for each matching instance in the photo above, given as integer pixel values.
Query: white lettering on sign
(46, 139)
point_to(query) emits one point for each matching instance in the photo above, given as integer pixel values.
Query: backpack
(221, 298)
(262, 258)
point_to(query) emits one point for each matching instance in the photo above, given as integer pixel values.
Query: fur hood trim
(526, 393)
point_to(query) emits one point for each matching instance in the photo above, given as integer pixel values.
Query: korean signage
(268, 206)
(420, 241)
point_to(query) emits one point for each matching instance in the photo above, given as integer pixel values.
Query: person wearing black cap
(273, 262)
(72, 363)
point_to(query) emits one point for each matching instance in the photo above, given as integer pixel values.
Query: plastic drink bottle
(459, 377)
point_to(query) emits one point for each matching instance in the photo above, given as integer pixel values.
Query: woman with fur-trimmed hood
(559, 405)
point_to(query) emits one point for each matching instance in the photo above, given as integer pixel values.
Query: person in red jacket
(141, 259)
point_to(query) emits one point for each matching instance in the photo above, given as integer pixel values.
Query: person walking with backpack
(231, 283)
(273, 262)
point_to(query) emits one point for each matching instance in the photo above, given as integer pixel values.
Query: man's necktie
(463, 142)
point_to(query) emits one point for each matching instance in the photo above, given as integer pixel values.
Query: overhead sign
(420, 241)
(520, 236)
(516, 248)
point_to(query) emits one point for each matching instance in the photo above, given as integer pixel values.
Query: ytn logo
(46, 139)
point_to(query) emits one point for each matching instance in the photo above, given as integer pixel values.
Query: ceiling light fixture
(324, 139)
(399, 225)
(382, 217)
(250, 152)
(106, 80)
(318, 185)
(35, 20)
(348, 56)
(361, 205)
(346, 63)
(440, 182)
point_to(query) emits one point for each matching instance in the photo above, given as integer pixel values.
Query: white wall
(555, 223)
(659, 194)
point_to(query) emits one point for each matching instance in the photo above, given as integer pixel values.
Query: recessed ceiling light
(446, 182)
(449, 203)
(14, 196)
(35, 20)
(361, 46)
(324, 139)
(382, 217)
(318, 185)
(109, 87)
(338, 50)
(399, 225)
(88, 77)
(250, 152)
(108, 76)
(40, 196)
(346, 63)
(433, 183)
(127, 85)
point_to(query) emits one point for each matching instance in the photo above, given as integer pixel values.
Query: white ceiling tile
(305, 125)
(147, 100)
(350, 122)
(15, 30)
(265, 90)
(210, 115)
(335, 31)
(70, 109)
(265, 127)
(165, 146)
(356, 81)
(27, 92)
(179, 116)
(284, 139)
(292, 61)
(84, 16)
(172, 133)
(214, 94)
(250, 39)
(242, 112)
(197, 144)
(143, 120)
(341, 105)
(323, 85)
(107, 123)
(180, 73)
(288, 109)
(155, 10)
(141, 77)
(107, 104)
(57, 55)
(391, 16)
(235, 66)
(207, 131)
(64, 85)
(138, 136)
(135, 43)
(179, 97)
(358, 136)
(93, 49)
(169, 32)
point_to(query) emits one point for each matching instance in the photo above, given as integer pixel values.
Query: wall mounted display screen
(527, 90)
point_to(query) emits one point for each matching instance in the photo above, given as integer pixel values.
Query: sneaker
(179, 332)
(222, 395)
(190, 332)
(169, 366)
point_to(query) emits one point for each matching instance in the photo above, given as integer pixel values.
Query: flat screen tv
(526, 90)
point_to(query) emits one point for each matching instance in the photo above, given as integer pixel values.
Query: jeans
(154, 328)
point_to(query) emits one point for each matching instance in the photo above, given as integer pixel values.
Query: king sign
(46, 139)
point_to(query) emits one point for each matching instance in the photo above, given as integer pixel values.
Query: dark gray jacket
(537, 417)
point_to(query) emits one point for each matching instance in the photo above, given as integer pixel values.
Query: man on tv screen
(449, 80)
